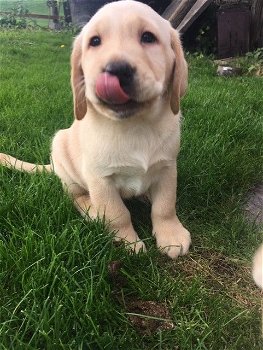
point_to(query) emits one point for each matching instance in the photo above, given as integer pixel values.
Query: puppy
(257, 267)
(128, 75)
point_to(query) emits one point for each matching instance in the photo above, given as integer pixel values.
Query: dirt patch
(146, 316)
(254, 206)
(222, 274)
(149, 317)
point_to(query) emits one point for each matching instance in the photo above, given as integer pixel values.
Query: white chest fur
(135, 181)
(132, 157)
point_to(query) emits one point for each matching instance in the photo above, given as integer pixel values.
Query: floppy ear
(77, 80)
(180, 73)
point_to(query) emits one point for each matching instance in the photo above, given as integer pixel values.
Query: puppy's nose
(123, 70)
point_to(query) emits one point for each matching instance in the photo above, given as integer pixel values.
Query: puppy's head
(126, 60)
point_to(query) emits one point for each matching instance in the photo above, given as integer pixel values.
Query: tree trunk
(54, 12)
(67, 13)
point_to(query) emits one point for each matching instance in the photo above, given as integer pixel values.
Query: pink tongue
(108, 88)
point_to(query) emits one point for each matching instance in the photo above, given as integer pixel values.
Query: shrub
(13, 18)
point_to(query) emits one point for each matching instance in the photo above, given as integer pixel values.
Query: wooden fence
(34, 15)
(257, 24)
(181, 13)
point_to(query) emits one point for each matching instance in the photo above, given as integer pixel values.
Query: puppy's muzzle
(124, 72)
(114, 85)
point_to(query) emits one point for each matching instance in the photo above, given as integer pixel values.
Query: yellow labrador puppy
(128, 75)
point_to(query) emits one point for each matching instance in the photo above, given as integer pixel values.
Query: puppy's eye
(95, 41)
(148, 38)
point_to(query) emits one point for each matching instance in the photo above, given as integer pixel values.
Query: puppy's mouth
(110, 90)
(113, 95)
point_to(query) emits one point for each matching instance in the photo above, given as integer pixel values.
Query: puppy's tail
(14, 163)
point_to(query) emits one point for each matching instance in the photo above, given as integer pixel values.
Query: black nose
(123, 70)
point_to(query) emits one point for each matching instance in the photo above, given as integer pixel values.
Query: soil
(254, 206)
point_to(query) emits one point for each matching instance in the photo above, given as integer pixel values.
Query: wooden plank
(256, 24)
(192, 15)
(177, 10)
(233, 31)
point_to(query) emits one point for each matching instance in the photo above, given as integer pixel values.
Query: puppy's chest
(134, 174)
(133, 159)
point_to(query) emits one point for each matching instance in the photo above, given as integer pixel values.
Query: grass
(34, 6)
(64, 284)
(250, 64)
(38, 7)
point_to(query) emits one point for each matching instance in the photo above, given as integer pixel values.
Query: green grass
(38, 7)
(64, 284)
(34, 6)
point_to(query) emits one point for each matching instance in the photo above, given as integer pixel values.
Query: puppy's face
(125, 60)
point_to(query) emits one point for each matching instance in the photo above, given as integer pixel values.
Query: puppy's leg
(104, 201)
(79, 196)
(171, 237)
(83, 204)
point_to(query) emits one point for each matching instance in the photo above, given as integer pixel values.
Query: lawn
(34, 6)
(64, 284)
(38, 7)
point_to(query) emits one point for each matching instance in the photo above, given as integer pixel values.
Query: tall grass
(64, 284)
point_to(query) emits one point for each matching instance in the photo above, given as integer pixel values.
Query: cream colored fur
(103, 158)
(257, 270)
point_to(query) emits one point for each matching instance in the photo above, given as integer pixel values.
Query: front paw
(135, 247)
(172, 238)
(131, 240)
